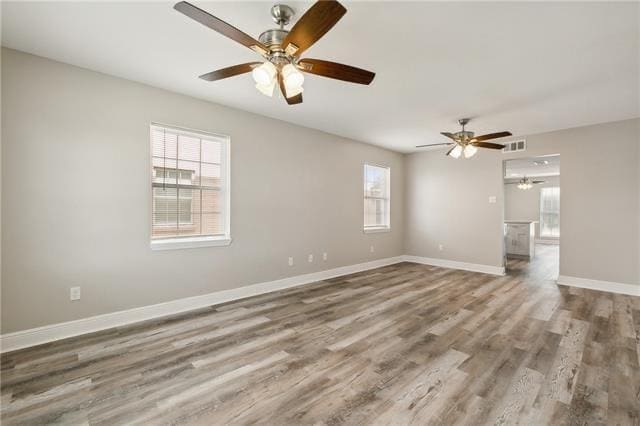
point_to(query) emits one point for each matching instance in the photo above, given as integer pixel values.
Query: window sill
(187, 243)
(376, 230)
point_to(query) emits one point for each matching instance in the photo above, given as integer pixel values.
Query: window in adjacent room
(189, 188)
(376, 198)
(550, 212)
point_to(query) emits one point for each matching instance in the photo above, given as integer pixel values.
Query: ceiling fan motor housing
(464, 135)
(274, 37)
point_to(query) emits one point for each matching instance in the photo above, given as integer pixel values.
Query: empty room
(320, 212)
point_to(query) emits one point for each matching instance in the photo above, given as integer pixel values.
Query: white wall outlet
(492, 199)
(324, 256)
(310, 258)
(372, 249)
(440, 247)
(74, 293)
(291, 261)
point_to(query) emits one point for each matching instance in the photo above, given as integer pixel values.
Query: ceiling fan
(465, 141)
(525, 183)
(281, 49)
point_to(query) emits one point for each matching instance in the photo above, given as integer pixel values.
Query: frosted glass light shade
(266, 89)
(293, 78)
(470, 151)
(456, 152)
(292, 91)
(264, 74)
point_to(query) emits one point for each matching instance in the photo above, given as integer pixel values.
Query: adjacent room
(320, 212)
(532, 214)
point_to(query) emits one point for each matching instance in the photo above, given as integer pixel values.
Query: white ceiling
(548, 165)
(524, 67)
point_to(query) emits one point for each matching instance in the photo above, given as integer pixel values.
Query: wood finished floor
(403, 344)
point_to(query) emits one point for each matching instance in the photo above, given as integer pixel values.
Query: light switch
(74, 293)
(492, 199)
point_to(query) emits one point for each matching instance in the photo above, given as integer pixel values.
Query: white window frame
(376, 228)
(195, 241)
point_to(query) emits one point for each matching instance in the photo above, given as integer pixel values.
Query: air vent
(515, 146)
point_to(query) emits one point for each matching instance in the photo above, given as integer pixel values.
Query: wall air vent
(515, 146)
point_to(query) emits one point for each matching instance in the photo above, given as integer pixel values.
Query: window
(189, 188)
(550, 212)
(168, 202)
(376, 198)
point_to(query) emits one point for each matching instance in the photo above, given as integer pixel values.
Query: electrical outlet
(440, 247)
(372, 249)
(492, 199)
(74, 293)
(291, 261)
(324, 256)
(310, 258)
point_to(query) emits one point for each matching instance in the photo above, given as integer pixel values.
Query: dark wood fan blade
(487, 145)
(336, 71)
(449, 135)
(293, 100)
(491, 136)
(229, 71)
(434, 144)
(449, 152)
(220, 26)
(538, 181)
(319, 19)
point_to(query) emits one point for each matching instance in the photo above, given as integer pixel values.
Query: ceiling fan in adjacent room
(525, 183)
(464, 142)
(281, 49)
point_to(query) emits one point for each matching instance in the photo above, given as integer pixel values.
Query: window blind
(376, 197)
(550, 212)
(189, 185)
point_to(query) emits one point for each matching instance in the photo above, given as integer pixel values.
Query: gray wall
(525, 204)
(75, 196)
(446, 202)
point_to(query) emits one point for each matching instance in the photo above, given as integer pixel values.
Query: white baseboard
(49, 333)
(474, 267)
(608, 286)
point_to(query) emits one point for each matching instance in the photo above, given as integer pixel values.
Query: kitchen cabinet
(519, 238)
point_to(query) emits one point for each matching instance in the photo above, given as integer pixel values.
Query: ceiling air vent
(515, 146)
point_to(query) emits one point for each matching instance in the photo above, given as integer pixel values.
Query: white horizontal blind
(189, 185)
(376, 197)
(550, 212)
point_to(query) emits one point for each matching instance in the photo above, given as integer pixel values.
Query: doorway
(532, 216)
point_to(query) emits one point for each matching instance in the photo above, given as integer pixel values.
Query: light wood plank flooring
(403, 344)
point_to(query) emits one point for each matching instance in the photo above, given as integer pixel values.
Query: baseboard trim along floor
(607, 286)
(49, 333)
(452, 264)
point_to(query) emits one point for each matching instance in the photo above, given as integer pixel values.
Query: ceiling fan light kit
(525, 186)
(281, 49)
(526, 183)
(465, 142)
